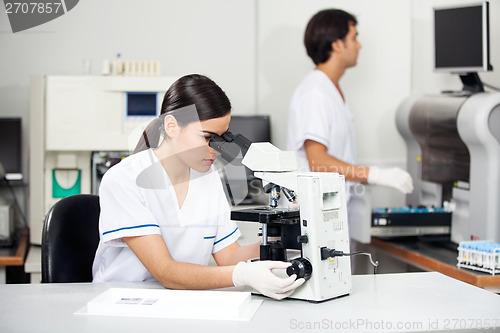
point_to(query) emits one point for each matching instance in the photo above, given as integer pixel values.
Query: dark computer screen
(255, 128)
(461, 38)
(10, 145)
(141, 104)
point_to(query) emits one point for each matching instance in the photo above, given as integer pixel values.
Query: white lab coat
(318, 113)
(137, 198)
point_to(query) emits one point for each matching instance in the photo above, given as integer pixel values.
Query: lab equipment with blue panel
(453, 155)
(79, 127)
(453, 138)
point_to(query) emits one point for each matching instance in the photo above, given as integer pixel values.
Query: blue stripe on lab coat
(134, 227)
(220, 240)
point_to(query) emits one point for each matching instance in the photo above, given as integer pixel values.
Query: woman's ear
(171, 126)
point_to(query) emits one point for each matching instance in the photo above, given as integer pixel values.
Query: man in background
(321, 125)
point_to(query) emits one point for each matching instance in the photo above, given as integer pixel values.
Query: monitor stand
(472, 82)
(472, 85)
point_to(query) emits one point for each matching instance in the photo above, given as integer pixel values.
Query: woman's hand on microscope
(260, 277)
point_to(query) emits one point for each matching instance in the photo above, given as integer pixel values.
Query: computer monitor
(10, 147)
(461, 42)
(461, 38)
(142, 104)
(256, 128)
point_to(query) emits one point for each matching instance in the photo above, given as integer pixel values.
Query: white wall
(213, 37)
(373, 88)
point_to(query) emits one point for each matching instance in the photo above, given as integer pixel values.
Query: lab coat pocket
(209, 233)
(209, 237)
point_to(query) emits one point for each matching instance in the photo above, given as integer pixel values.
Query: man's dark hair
(323, 29)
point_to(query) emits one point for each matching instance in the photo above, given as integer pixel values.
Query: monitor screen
(254, 128)
(244, 188)
(141, 104)
(461, 38)
(10, 147)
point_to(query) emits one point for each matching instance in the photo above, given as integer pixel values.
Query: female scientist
(164, 211)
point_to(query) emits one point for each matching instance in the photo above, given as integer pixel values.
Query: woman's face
(192, 142)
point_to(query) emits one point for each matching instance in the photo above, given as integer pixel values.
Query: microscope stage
(267, 215)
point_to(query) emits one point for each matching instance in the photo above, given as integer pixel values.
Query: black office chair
(70, 238)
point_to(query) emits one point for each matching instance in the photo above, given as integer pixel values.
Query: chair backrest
(69, 239)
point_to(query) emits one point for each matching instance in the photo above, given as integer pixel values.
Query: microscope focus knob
(302, 239)
(301, 267)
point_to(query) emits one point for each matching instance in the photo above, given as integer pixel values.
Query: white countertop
(378, 303)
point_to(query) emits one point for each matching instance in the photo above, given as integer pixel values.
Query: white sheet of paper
(179, 304)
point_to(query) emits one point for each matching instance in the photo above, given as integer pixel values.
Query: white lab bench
(424, 301)
(33, 264)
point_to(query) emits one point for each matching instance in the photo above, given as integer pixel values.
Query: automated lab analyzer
(453, 138)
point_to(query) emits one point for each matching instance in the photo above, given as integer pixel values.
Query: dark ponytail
(191, 90)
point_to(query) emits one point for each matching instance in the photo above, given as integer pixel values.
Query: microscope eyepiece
(216, 142)
(228, 136)
(230, 146)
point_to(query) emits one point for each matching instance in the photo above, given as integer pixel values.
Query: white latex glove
(260, 277)
(393, 177)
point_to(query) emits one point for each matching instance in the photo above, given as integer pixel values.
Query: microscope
(317, 232)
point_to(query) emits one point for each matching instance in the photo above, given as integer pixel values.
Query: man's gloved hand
(394, 177)
(260, 277)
